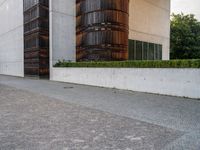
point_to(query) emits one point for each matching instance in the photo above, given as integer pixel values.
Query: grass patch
(133, 64)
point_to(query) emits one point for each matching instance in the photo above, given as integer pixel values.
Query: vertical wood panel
(36, 38)
(102, 30)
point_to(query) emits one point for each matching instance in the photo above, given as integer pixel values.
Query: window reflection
(139, 50)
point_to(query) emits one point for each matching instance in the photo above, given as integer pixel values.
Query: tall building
(35, 34)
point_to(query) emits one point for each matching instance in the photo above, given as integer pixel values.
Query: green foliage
(133, 64)
(185, 37)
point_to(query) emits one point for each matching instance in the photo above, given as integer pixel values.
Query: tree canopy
(185, 37)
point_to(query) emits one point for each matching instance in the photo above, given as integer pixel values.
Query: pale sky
(186, 6)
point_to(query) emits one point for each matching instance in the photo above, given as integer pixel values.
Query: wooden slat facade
(102, 30)
(36, 38)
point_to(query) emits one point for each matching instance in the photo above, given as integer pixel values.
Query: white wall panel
(62, 30)
(11, 38)
(149, 21)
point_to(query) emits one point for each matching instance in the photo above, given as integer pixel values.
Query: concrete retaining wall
(175, 82)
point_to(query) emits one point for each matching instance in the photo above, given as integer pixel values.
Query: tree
(185, 37)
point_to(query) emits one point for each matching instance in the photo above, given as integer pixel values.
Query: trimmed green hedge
(133, 64)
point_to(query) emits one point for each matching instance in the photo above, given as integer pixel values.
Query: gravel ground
(34, 122)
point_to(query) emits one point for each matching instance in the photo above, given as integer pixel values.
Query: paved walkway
(41, 114)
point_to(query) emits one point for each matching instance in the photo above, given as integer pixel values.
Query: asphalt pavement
(42, 114)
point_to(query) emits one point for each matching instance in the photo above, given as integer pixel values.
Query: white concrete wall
(175, 82)
(11, 38)
(149, 20)
(62, 30)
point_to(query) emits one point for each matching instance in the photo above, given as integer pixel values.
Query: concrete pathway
(69, 116)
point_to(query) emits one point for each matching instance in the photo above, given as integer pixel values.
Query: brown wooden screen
(36, 38)
(102, 30)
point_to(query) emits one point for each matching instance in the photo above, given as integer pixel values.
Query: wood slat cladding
(102, 30)
(36, 38)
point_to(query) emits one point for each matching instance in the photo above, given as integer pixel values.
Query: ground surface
(44, 115)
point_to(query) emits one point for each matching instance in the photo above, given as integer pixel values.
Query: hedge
(133, 64)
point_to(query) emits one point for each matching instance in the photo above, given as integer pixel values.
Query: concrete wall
(62, 30)
(149, 21)
(175, 82)
(11, 38)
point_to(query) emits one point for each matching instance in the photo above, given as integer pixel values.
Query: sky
(186, 6)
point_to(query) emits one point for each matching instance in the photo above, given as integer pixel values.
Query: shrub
(133, 64)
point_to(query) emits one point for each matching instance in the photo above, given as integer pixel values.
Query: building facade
(35, 34)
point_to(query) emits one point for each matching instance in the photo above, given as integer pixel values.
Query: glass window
(151, 51)
(145, 48)
(156, 53)
(134, 50)
(138, 50)
(160, 51)
(131, 49)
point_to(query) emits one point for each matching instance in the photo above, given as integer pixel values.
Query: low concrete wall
(175, 82)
